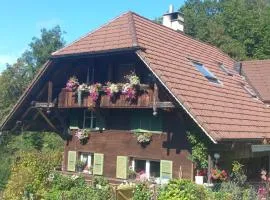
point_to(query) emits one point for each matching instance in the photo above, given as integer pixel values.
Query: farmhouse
(125, 96)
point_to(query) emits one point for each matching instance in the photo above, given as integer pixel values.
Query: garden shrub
(142, 192)
(75, 187)
(29, 174)
(182, 190)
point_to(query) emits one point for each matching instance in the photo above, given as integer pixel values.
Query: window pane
(207, 74)
(154, 169)
(140, 166)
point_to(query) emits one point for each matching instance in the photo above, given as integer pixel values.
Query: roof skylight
(225, 69)
(249, 91)
(206, 73)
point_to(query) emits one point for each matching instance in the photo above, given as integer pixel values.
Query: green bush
(182, 190)
(70, 188)
(29, 174)
(141, 192)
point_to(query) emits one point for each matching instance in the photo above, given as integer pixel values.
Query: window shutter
(166, 167)
(71, 161)
(121, 167)
(98, 163)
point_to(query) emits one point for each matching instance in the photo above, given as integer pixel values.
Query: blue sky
(20, 20)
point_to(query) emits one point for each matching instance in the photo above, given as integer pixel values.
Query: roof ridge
(255, 60)
(132, 29)
(89, 33)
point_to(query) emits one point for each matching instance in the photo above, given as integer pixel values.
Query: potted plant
(82, 135)
(144, 137)
(131, 173)
(72, 84)
(80, 166)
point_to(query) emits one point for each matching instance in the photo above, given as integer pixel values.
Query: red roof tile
(257, 73)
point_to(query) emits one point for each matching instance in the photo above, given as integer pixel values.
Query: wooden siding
(123, 143)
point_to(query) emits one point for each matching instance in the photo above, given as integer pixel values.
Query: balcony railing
(69, 99)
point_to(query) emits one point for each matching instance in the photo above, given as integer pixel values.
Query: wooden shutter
(72, 155)
(98, 163)
(121, 167)
(166, 167)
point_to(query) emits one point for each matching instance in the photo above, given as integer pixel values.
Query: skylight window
(225, 69)
(207, 74)
(249, 91)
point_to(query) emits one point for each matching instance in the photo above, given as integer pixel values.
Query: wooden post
(50, 88)
(110, 72)
(155, 99)
(209, 169)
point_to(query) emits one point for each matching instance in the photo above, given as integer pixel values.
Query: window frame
(205, 72)
(147, 166)
(225, 69)
(90, 161)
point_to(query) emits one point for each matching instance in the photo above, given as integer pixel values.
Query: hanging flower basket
(144, 137)
(82, 136)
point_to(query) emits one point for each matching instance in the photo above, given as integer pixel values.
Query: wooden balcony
(69, 99)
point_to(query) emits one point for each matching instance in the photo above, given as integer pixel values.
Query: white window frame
(147, 166)
(89, 160)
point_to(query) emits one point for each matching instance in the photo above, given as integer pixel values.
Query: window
(146, 168)
(207, 74)
(249, 91)
(89, 120)
(224, 69)
(86, 120)
(88, 159)
(145, 120)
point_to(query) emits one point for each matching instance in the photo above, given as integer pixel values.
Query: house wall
(124, 143)
(170, 145)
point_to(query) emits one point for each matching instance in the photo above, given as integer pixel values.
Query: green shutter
(71, 161)
(166, 167)
(98, 163)
(121, 167)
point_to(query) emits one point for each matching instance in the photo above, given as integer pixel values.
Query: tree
(13, 81)
(16, 77)
(239, 27)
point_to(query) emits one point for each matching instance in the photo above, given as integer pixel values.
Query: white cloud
(50, 23)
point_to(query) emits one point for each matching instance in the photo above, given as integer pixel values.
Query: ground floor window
(86, 160)
(146, 168)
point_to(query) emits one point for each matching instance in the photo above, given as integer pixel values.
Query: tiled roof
(257, 73)
(224, 111)
(117, 34)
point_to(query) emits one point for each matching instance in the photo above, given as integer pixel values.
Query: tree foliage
(240, 28)
(15, 78)
(13, 81)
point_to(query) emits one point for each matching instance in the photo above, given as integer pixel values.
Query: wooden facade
(123, 143)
